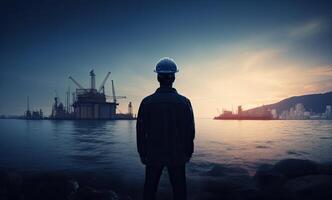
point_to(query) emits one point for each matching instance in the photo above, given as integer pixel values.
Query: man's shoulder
(183, 98)
(147, 99)
(172, 97)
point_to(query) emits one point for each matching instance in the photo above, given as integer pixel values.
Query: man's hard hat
(166, 65)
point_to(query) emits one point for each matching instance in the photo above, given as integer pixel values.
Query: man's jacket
(165, 128)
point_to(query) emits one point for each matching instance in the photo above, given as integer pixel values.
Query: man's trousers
(177, 178)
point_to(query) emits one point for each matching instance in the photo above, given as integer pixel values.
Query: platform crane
(102, 85)
(76, 83)
(114, 96)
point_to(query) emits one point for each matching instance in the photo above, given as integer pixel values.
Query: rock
(50, 186)
(3, 184)
(267, 178)
(225, 181)
(311, 187)
(14, 179)
(221, 170)
(263, 195)
(227, 184)
(293, 168)
(325, 168)
(10, 185)
(88, 193)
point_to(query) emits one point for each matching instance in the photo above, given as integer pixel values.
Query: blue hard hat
(166, 65)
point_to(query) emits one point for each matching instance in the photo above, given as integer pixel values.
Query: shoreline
(287, 179)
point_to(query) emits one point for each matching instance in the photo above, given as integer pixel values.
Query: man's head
(166, 69)
(166, 79)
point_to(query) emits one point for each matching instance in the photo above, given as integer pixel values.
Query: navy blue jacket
(165, 128)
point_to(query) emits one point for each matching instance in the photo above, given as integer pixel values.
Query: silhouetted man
(165, 133)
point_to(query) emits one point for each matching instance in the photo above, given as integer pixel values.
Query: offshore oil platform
(88, 103)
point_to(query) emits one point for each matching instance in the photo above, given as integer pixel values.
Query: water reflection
(88, 138)
(111, 145)
(108, 148)
(248, 143)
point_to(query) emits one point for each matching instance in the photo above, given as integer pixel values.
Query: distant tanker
(263, 114)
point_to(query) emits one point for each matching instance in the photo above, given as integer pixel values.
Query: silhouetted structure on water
(34, 114)
(90, 103)
(261, 114)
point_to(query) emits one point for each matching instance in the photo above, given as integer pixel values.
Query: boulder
(3, 185)
(88, 193)
(52, 186)
(311, 187)
(10, 185)
(325, 168)
(221, 170)
(267, 178)
(292, 168)
(226, 180)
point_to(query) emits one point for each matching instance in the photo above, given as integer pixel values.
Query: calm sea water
(110, 146)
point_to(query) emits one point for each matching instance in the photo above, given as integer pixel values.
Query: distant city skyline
(299, 112)
(229, 53)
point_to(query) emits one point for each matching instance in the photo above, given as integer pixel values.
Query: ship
(262, 114)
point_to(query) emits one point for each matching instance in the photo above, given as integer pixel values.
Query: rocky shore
(51, 186)
(290, 179)
(294, 179)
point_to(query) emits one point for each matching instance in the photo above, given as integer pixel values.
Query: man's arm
(141, 131)
(190, 131)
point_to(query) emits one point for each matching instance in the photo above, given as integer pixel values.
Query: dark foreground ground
(290, 179)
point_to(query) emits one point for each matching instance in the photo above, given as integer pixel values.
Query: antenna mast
(28, 104)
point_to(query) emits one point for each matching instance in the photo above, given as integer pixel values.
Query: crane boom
(104, 81)
(76, 83)
(113, 92)
(117, 97)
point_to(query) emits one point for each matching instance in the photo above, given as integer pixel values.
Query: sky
(229, 53)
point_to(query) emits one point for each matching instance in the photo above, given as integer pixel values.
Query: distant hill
(312, 102)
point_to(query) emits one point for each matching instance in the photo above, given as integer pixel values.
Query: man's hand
(143, 159)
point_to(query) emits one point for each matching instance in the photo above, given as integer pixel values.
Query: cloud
(307, 29)
(250, 72)
(251, 77)
(321, 71)
(318, 79)
(258, 58)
